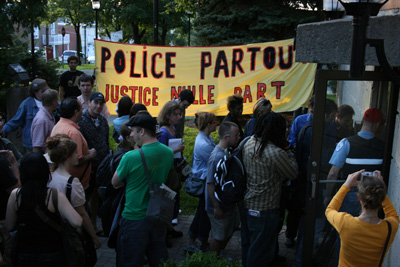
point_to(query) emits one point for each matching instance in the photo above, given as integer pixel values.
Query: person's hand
(97, 242)
(218, 213)
(180, 147)
(92, 153)
(353, 179)
(379, 174)
(8, 156)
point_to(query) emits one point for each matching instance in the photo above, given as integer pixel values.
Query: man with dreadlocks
(267, 162)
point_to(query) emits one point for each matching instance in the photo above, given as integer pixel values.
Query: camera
(364, 174)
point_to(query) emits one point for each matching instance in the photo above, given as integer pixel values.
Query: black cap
(144, 120)
(97, 96)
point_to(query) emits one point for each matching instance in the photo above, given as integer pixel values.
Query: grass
(81, 67)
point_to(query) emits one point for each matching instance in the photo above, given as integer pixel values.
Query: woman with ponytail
(364, 238)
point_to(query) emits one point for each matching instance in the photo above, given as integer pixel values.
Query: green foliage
(113, 144)
(201, 259)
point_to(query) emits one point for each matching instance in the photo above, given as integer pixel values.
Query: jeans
(200, 227)
(137, 238)
(52, 259)
(262, 237)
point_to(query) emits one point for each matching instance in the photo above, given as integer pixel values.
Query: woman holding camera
(364, 238)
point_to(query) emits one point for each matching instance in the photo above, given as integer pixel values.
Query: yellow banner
(153, 75)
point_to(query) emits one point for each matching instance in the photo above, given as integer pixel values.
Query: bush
(200, 259)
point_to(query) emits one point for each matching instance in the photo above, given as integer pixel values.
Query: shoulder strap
(146, 171)
(69, 188)
(386, 243)
(44, 217)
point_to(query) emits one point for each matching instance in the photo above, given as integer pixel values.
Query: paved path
(106, 256)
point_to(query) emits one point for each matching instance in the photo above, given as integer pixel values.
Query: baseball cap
(97, 96)
(144, 120)
(39, 84)
(373, 115)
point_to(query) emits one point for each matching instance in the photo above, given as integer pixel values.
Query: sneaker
(191, 248)
(289, 242)
(175, 221)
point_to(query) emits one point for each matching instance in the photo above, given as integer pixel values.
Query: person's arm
(67, 211)
(13, 167)
(218, 212)
(88, 157)
(116, 181)
(88, 226)
(11, 214)
(332, 175)
(286, 164)
(18, 119)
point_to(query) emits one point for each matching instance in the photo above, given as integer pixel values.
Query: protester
(124, 107)
(300, 121)
(363, 238)
(69, 80)
(71, 114)
(94, 128)
(26, 112)
(261, 107)
(235, 107)
(200, 227)
(85, 85)
(224, 220)
(64, 155)
(38, 243)
(136, 108)
(6, 144)
(138, 236)
(168, 118)
(44, 120)
(185, 99)
(267, 163)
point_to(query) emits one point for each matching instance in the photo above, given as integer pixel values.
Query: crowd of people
(62, 156)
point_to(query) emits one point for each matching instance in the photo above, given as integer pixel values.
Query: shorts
(222, 229)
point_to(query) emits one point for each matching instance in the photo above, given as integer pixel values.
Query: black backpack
(105, 172)
(230, 176)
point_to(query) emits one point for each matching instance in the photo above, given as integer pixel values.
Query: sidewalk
(106, 256)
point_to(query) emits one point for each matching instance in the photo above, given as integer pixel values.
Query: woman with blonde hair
(204, 145)
(364, 239)
(261, 107)
(63, 153)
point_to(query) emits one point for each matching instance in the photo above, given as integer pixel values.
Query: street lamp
(96, 7)
(361, 10)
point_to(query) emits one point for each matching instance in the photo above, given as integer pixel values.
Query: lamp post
(96, 7)
(189, 13)
(361, 10)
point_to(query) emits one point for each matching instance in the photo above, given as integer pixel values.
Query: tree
(75, 12)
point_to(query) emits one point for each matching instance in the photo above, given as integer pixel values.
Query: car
(67, 53)
(91, 60)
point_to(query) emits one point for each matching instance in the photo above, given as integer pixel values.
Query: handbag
(161, 207)
(184, 169)
(194, 186)
(73, 240)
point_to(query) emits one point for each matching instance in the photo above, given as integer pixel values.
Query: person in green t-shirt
(138, 235)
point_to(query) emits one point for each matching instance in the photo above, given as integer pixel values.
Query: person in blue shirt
(124, 107)
(26, 112)
(204, 145)
(300, 121)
